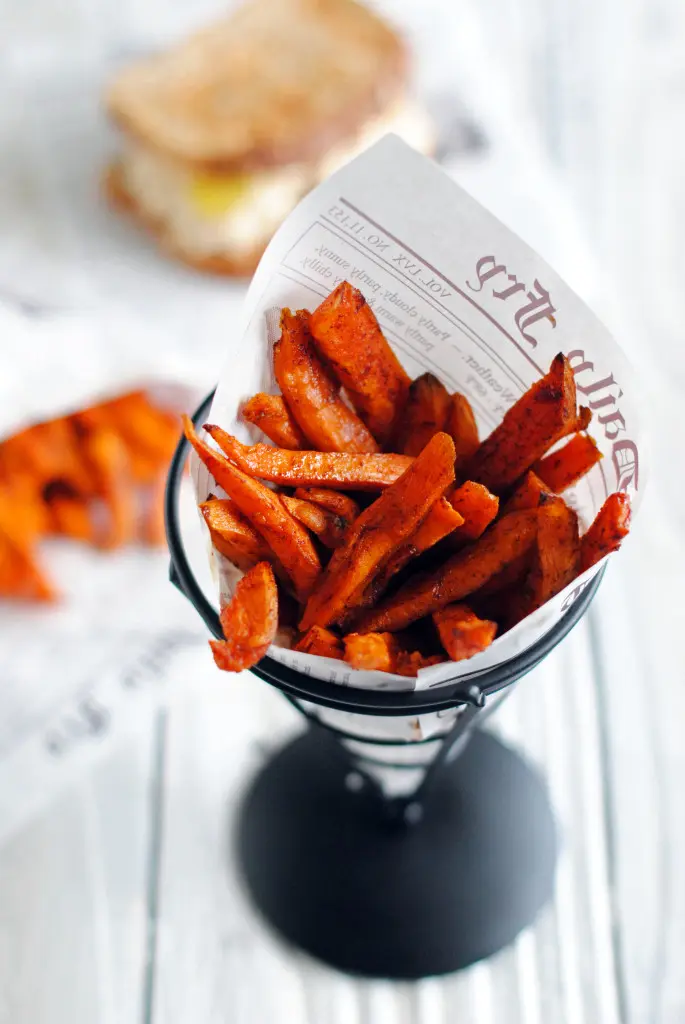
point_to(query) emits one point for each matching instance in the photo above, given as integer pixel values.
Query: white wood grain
(72, 900)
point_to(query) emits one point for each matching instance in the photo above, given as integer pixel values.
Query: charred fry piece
(322, 642)
(272, 416)
(379, 531)
(545, 412)
(611, 525)
(347, 333)
(233, 535)
(371, 651)
(312, 469)
(530, 493)
(328, 527)
(463, 574)
(110, 468)
(287, 538)
(424, 414)
(462, 428)
(563, 468)
(477, 506)
(312, 394)
(249, 622)
(461, 632)
(556, 558)
(334, 501)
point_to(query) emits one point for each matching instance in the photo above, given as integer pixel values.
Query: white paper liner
(456, 293)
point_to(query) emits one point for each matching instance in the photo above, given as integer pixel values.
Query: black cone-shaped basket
(391, 887)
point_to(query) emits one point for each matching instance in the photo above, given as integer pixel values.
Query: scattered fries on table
(382, 512)
(96, 476)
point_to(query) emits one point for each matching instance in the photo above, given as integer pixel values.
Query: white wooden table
(119, 902)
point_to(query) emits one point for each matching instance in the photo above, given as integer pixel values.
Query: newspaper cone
(458, 294)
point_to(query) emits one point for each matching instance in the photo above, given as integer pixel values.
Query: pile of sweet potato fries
(388, 510)
(96, 476)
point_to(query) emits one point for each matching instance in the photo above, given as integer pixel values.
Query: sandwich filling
(209, 214)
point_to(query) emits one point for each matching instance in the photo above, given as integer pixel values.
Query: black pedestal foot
(334, 878)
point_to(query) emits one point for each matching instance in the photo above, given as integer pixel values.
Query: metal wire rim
(469, 689)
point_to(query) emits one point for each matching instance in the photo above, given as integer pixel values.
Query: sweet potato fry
(287, 538)
(462, 428)
(272, 416)
(530, 493)
(328, 527)
(379, 531)
(461, 632)
(410, 663)
(150, 434)
(371, 651)
(322, 642)
(20, 577)
(53, 452)
(312, 394)
(424, 414)
(110, 468)
(556, 558)
(381, 652)
(528, 429)
(440, 521)
(477, 506)
(68, 512)
(463, 574)
(347, 333)
(249, 622)
(233, 535)
(312, 469)
(334, 501)
(611, 525)
(564, 467)
(511, 574)
(583, 419)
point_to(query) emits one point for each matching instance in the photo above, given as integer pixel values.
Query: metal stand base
(337, 878)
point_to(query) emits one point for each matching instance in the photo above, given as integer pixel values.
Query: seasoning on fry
(463, 574)
(312, 395)
(528, 429)
(424, 414)
(328, 526)
(607, 532)
(379, 531)
(347, 333)
(233, 535)
(287, 538)
(323, 642)
(312, 469)
(272, 416)
(462, 428)
(566, 466)
(477, 507)
(461, 632)
(249, 622)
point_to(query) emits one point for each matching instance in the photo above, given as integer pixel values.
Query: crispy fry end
(249, 622)
(461, 632)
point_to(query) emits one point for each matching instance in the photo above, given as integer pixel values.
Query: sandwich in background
(224, 134)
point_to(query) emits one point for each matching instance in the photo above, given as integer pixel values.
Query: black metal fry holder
(394, 887)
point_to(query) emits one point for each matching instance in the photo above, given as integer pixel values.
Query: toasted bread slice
(278, 82)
